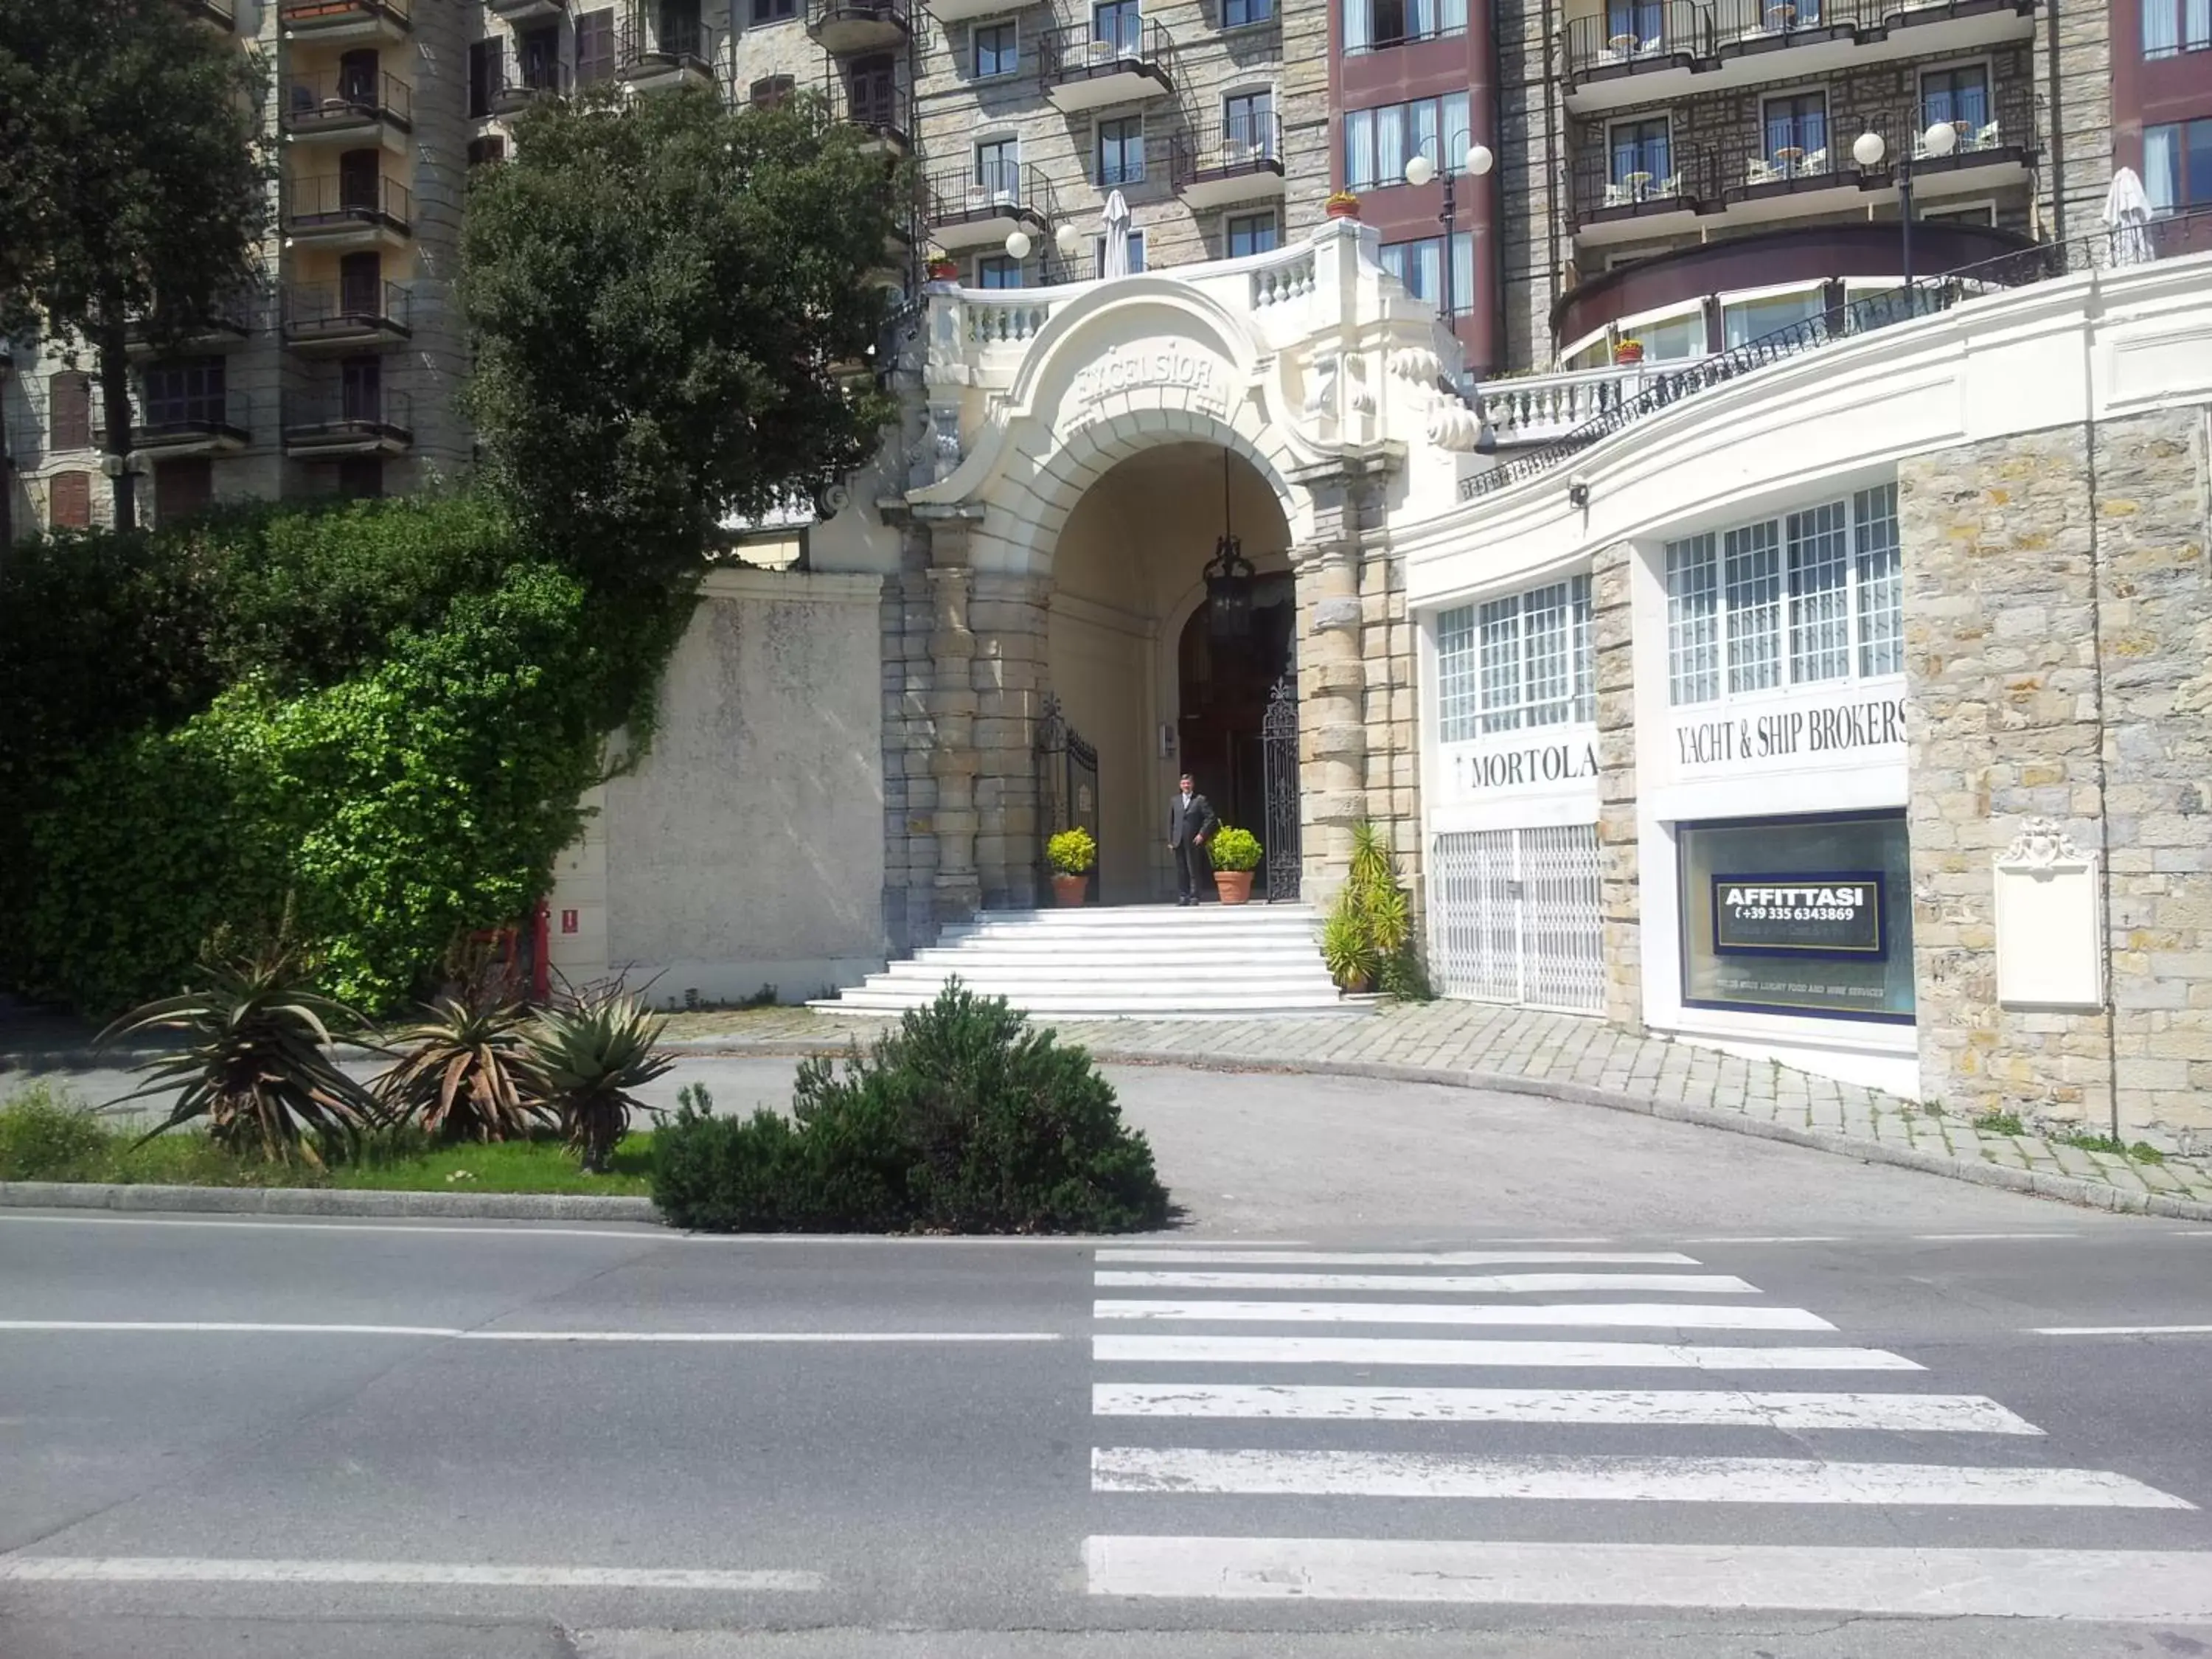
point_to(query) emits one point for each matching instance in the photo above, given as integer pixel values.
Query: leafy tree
(662, 293)
(133, 183)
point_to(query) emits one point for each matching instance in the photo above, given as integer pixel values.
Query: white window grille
(1520, 661)
(1458, 689)
(1795, 601)
(1517, 917)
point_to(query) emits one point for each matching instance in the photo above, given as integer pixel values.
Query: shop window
(69, 501)
(1811, 596)
(1524, 660)
(1745, 320)
(69, 410)
(1252, 233)
(1806, 916)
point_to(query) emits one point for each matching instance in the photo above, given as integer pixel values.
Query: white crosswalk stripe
(1141, 1471)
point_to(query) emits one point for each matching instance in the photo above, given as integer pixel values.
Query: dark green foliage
(44, 1135)
(460, 1075)
(253, 1062)
(962, 1120)
(585, 1060)
(666, 296)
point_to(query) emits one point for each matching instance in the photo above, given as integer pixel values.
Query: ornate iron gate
(1279, 748)
(1516, 917)
(1067, 787)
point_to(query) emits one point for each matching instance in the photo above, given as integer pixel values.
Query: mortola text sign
(1831, 916)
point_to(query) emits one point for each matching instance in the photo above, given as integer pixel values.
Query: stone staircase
(1138, 961)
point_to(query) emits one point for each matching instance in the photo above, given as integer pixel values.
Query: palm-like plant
(463, 1077)
(254, 1059)
(586, 1059)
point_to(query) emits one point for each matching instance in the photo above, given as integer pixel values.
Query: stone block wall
(1389, 710)
(1532, 228)
(1611, 641)
(2056, 646)
(2073, 70)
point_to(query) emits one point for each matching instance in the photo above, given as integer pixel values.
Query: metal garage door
(1517, 919)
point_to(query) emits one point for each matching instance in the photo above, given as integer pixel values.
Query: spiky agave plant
(253, 1060)
(461, 1075)
(586, 1059)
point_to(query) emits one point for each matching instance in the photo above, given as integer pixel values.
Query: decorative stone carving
(1454, 427)
(1417, 364)
(944, 425)
(2051, 941)
(1321, 402)
(2040, 844)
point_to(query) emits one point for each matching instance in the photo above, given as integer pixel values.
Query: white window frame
(1466, 670)
(1228, 219)
(1099, 255)
(1828, 96)
(982, 141)
(1626, 328)
(1741, 660)
(976, 27)
(1251, 89)
(1097, 169)
(1744, 296)
(1613, 123)
(1986, 64)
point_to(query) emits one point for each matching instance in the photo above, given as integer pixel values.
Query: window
(1513, 663)
(595, 46)
(2176, 26)
(1136, 254)
(1421, 266)
(1636, 20)
(358, 76)
(1813, 595)
(771, 92)
(1639, 152)
(182, 488)
(1120, 152)
(871, 92)
(68, 411)
(1248, 124)
(1743, 321)
(360, 180)
(69, 501)
(487, 149)
(360, 284)
(996, 48)
(1957, 97)
(186, 393)
(483, 77)
(1379, 142)
(2178, 165)
(998, 270)
(1984, 213)
(1251, 232)
(1117, 24)
(1240, 14)
(1369, 24)
(539, 56)
(771, 11)
(998, 169)
(361, 387)
(1800, 123)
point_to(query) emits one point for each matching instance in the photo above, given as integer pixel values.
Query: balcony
(975, 207)
(658, 53)
(847, 28)
(962, 11)
(230, 324)
(341, 212)
(356, 421)
(1232, 162)
(345, 21)
(1115, 59)
(345, 317)
(224, 14)
(875, 106)
(520, 12)
(1540, 408)
(202, 423)
(520, 85)
(1635, 52)
(348, 108)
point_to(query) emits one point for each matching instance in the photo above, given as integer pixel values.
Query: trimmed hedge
(962, 1120)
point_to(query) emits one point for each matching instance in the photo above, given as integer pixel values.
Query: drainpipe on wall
(1558, 173)
(2058, 127)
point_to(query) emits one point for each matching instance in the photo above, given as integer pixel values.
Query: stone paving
(1588, 1059)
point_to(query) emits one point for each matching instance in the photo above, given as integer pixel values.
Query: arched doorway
(1137, 666)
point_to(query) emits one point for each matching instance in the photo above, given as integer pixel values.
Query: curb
(316, 1200)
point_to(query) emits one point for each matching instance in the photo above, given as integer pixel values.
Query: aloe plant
(587, 1059)
(461, 1075)
(254, 1060)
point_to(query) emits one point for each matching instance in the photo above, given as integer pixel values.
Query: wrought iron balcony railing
(351, 414)
(665, 40)
(344, 98)
(320, 310)
(1114, 43)
(518, 85)
(336, 201)
(1644, 35)
(993, 191)
(1252, 144)
(310, 16)
(194, 418)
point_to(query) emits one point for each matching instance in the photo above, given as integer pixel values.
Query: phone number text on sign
(1825, 915)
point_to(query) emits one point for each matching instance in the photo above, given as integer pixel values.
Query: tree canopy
(133, 181)
(667, 299)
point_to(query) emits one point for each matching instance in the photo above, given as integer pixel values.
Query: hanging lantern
(1229, 578)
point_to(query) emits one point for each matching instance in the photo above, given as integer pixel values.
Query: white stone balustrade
(1541, 408)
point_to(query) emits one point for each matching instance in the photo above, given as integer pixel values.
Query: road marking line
(2133, 1586)
(1910, 1413)
(1977, 1239)
(2123, 1330)
(1666, 1315)
(1404, 1258)
(147, 1326)
(1408, 1350)
(121, 1569)
(524, 1228)
(1450, 1284)
(1611, 1479)
(1771, 1238)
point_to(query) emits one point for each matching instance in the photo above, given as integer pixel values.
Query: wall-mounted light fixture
(1579, 491)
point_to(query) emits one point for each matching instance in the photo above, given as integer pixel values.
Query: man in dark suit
(1191, 824)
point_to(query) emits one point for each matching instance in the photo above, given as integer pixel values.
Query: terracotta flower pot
(1341, 207)
(944, 271)
(1070, 889)
(1628, 354)
(1235, 886)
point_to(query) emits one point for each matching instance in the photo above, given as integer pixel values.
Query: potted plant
(1345, 949)
(1368, 938)
(1070, 852)
(1341, 204)
(1236, 856)
(1628, 351)
(943, 269)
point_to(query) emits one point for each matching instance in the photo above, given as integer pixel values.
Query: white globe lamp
(1419, 171)
(1479, 161)
(1019, 245)
(1940, 139)
(1867, 149)
(1068, 239)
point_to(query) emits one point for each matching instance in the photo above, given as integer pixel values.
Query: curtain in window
(2199, 34)
(1422, 137)
(2162, 167)
(1389, 144)
(1359, 150)
(1463, 281)
(2162, 32)
(1458, 130)
(1451, 16)
(1424, 269)
(1420, 19)
(1358, 26)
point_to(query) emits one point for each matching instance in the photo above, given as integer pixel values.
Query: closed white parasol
(2127, 214)
(1116, 262)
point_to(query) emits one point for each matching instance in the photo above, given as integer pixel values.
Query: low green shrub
(1235, 849)
(47, 1134)
(1072, 851)
(963, 1119)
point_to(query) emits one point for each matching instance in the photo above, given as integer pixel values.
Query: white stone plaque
(2050, 922)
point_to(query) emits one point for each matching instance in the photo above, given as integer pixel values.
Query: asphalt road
(1823, 1417)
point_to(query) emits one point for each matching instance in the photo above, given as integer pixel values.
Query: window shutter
(182, 488)
(69, 501)
(69, 416)
(595, 47)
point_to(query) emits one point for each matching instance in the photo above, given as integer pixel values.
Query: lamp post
(1420, 169)
(1939, 141)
